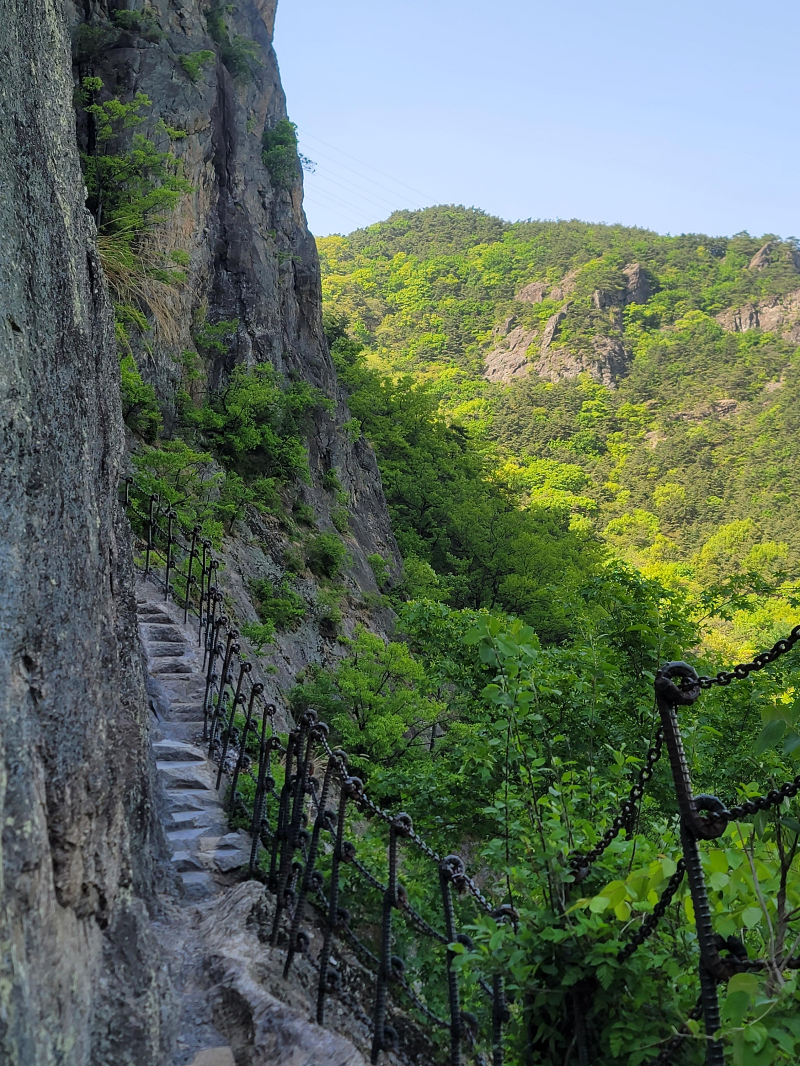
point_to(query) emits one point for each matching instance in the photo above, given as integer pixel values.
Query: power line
(359, 223)
(365, 177)
(353, 208)
(372, 197)
(419, 192)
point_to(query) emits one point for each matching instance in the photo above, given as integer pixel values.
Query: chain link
(581, 862)
(651, 921)
(764, 658)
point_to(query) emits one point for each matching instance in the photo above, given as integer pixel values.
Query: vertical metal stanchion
(150, 521)
(195, 533)
(450, 870)
(257, 689)
(223, 681)
(310, 863)
(244, 669)
(677, 684)
(498, 1019)
(170, 520)
(333, 907)
(264, 781)
(389, 900)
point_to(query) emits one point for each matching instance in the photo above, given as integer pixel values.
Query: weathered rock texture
(80, 979)
(520, 349)
(252, 256)
(778, 314)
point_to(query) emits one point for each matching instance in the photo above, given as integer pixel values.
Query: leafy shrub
(194, 62)
(330, 481)
(329, 611)
(236, 52)
(140, 408)
(380, 568)
(142, 23)
(326, 555)
(255, 418)
(341, 520)
(218, 338)
(91, 39)
(283, 609)
(293, 561)
(304, 514)
(280, 153)
(259, 634)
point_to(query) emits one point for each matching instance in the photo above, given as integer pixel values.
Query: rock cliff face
(252, 258)
(79, 974)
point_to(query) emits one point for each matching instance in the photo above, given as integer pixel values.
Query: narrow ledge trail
(234, 1007)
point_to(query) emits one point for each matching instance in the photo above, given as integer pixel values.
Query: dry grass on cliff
(132, 277)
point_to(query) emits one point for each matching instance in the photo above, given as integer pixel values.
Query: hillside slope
(647, 384)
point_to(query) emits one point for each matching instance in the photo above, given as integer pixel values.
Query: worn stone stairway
(235, 1007)
(203, 850)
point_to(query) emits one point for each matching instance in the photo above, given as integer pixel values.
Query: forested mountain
(647, 386)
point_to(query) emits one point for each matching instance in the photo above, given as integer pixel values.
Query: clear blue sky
(678, 116)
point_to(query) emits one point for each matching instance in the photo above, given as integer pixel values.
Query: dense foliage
(699, 435)
(561, 539)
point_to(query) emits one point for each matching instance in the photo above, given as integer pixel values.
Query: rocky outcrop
(607, 362)
(252, 258)
(775, 314)
(640, 286)
(80, 975)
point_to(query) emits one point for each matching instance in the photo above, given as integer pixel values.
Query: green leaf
(751, 916)
(769, 735)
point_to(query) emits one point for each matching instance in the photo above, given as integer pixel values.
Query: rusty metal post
(310, 863)
(333, 906)
(238, 698)
(192, 553)
(150, 521)
(677, 684)
(258, 688)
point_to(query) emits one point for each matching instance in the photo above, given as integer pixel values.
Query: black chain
(774, 798)
(582, 862)
(764, 658)
(651, 921)
(695, 1014)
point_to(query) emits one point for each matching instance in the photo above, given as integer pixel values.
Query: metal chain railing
(239, 732)
(239, 728)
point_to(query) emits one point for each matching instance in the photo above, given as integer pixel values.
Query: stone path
(203, 850)
(227, 979)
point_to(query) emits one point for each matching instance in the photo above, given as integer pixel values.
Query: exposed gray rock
(776, 314)
(551, 328)
(763, 257)
(81, 978)
(640, 288)
(532, 293)
(510, 359)
(608, 361)
(253, 258)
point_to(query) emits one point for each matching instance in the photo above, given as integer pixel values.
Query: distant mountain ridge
(657, 377)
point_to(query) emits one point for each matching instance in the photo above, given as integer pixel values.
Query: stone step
(211, 817)
(176, 751)
(186, 712)
(190, 731)
(163, 631)
(182, 837)
(184, 862)
(168, 668)
(193, 775)
(161, 649)
(187, 799)
(197, 884)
